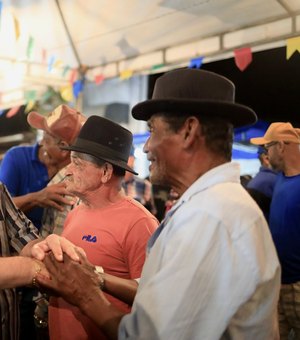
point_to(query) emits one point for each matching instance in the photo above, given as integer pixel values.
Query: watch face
(99, 270)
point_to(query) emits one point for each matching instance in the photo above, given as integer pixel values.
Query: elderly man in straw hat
(212, 271)
(111, 227)
(26, 170)
(61, 127)
(282, 142)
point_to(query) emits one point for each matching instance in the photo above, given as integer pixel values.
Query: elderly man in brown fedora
(282, 143)
(212, 271)
(111, 227)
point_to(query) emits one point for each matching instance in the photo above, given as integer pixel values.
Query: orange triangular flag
(292, 45)
(243, 57)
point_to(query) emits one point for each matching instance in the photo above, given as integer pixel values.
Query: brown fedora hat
(106, 140)
(196, 92)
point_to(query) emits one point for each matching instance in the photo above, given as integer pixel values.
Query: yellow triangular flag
(292, 45)
(57, 63)
(17, 27)
(126, 74)
(29, 106)
(66, 93)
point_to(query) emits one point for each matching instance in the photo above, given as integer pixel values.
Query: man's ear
(280, 146)
(107, 169)
(190, 130)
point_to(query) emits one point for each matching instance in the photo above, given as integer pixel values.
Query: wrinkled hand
(76, 282)
(54, 196)
(57, 245)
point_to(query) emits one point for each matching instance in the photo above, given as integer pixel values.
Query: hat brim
(119, 164)
(37, 121)
(259, 141)
(237, 114)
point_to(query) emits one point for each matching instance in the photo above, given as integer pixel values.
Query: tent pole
(69, 35)
(81, 68)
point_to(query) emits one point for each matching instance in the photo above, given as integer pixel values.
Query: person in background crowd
(111, 227)
(212, 271)
(26, 171)
(172, 199)
(138, 188)
(64, 125)
(261, 186)
(282, 142)
(245, 179)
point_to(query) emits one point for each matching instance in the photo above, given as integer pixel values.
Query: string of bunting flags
(75, 77)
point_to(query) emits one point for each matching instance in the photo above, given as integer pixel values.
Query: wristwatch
(100, 272)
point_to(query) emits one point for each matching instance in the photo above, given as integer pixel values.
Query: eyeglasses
(268, 145)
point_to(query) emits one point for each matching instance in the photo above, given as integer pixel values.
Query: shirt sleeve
(19, 229)
(9, 172)
(136, 243)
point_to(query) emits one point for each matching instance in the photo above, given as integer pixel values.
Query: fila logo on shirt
(89, 238)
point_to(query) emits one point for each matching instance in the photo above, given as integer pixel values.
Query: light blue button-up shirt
(213, 271)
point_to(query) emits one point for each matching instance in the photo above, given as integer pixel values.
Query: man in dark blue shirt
(283, 145)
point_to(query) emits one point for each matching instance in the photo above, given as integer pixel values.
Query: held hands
(76, 282)
(54, 196)
(57, 245)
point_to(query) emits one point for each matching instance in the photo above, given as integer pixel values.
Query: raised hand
(54, 196)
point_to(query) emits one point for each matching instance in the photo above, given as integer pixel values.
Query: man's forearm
(25, 202)
(122, 289)
(16, 271)
(103, 313)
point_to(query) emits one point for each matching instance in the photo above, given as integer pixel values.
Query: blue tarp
(242, 149)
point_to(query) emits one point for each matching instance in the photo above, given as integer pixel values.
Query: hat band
(98, 150)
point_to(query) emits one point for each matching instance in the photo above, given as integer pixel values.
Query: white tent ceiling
(112, 36)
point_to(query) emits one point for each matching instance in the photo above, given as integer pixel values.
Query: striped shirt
(54, 219)
(15, 232)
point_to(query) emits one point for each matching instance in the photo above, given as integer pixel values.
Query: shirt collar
(227, 172)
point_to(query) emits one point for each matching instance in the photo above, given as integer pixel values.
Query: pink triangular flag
(243, 57)
(13, 111)
(73, 75)
(99, 79)
(44, 55)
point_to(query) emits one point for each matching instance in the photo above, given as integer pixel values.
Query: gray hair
(119, 172)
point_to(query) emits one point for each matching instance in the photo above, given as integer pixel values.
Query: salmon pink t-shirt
(114, 237)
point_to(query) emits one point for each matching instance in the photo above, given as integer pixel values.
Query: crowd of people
(224, 263)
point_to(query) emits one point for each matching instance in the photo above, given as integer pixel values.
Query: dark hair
(119, 172)
(218, 132)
